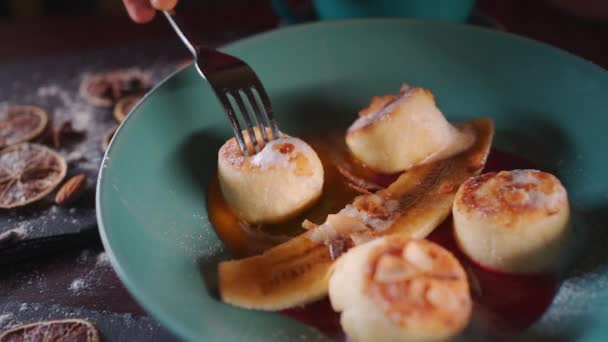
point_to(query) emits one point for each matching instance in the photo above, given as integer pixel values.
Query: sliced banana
(290, 274)
(512, 221)
(295, 272)
(400, 289)
(396, 133)
(277, 183)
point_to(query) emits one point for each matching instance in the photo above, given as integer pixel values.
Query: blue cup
(450, 10)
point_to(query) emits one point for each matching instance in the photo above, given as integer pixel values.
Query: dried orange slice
(124, 106)
(28, 172)
(22, 123)
(70, 329)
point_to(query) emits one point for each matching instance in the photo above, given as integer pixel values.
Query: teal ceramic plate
(549, 107)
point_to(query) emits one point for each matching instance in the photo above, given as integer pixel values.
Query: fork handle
(173, 21)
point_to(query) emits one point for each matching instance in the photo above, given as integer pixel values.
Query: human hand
(143, 11)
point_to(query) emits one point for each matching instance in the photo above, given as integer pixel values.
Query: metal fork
(231, 78)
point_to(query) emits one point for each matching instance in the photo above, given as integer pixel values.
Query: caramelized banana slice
(400, 289)
(396, 133)
(295, 272)
(292, 273)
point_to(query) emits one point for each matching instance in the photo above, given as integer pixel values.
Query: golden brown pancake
(512, 221)
(400, 289)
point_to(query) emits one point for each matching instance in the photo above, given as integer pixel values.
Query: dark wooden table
(80, 282)
(77, 281)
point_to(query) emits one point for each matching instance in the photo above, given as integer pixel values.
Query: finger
(163, 5)
(140, 10)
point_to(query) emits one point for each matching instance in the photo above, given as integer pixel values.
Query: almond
(71, 190)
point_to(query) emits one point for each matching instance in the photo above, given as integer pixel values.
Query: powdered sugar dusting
(273, 155)
(54, 90)
(523, 177)
(536, 197)
(77, 285)
(20, 232)
(494, 195)
(102, 259)
(22, 229)
(577, 297)
(5, 320)
(122, 326)
(366, 120)
(90, 280)
(278, 153)
(83, 117)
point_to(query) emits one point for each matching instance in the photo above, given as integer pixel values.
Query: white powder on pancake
(523, 177)
(366, 120)
(525, 188)
(270, 157)
(536, 197)
(275, 155)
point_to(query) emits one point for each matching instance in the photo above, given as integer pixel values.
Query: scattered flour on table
(19, 232)
(91, 279)
(102, 260)
(77, 285)
(6, 320)
(22, 229)
(62, 99)
(60, 96)
(69, 106)
(11, 315)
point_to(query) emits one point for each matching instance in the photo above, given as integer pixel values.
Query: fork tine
(261, 119)
(236, 127)
(229, 77)
(245, 114)
(267, 108)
